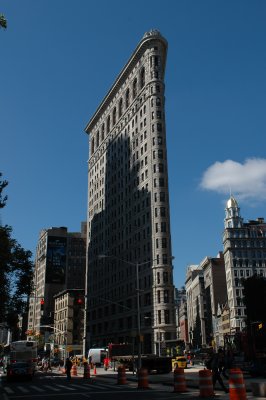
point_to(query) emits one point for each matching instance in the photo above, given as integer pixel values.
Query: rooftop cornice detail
(148, 38)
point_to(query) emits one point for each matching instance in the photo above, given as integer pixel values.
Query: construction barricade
(121, 375)
(179, 380)
(87, 373)
(74, 371)
(205, 383)
(143, 382)
(237, 390)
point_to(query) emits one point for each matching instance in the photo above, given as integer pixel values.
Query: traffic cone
(94, 371)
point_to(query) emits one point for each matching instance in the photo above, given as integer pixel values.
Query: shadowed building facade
(128, 209)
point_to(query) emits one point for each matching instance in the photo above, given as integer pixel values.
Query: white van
(96, 356)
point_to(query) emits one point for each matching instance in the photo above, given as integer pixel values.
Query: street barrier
(74, 371)
(121, 376)
(237, 390)
(143, 382)
(205, 383)
(179, 380)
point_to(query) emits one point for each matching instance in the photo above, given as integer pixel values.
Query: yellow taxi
(180, 362)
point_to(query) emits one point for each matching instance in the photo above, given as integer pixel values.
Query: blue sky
(58, 60)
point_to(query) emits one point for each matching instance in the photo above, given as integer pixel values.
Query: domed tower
(232, 214)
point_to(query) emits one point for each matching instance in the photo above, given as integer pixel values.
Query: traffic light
(260, 326)
(42, 304)
(79, 301)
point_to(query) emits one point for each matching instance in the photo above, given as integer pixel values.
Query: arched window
(134, 88)
(102, 136)
(97, 139)
(108, 124)
(92, 145)
(158, 101)
(120, 109)
(127, 98)
(114, 116)
(142, 78)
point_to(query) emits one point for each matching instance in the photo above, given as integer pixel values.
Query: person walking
(216, 365)
(68, 366)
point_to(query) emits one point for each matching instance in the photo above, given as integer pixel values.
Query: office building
(60, 263)
(130, 293)
(244, 255)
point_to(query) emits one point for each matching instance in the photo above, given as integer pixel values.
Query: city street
(54, 386)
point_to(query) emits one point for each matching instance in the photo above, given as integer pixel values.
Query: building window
(97, 139)
(166, 296)
(92, 145)
(164, 243)
(114, 116)
(108, 123)
(134, 88)
(166, 317)
(127, 98)
(158, 296)
(142, 78)
(102, 137)
(160, 154)
(120, 108)
(159, 317)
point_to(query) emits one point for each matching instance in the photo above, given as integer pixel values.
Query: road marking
(51, 388)
(8, 390)
(66, 387)
(37, 388)
(23, 389)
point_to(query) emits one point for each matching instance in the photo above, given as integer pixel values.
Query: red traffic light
(79, 301)
(42, 302)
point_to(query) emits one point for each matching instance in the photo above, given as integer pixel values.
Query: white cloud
(246, 181)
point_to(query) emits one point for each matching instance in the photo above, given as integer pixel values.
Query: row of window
(123, 103)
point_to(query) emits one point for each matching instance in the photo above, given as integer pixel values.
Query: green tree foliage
(3, 184)
(3, 23)
(16, 269)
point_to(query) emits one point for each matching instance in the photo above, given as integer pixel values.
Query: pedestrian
(216, 365)
(68, 366)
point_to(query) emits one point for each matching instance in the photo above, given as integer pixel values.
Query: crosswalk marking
(23, 389)
(9, 390)
(51, 388)
(37, 388)
(66, 387)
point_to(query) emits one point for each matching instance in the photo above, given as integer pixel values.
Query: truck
(96, 356)
(124, 354)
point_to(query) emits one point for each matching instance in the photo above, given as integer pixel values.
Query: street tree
(16, 269)
(3, 22)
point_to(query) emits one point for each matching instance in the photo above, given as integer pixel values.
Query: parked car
(19, 370)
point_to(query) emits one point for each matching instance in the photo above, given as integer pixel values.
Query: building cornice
(152, 36)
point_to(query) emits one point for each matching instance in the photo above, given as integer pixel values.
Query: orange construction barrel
(205, 383)
(143, 382)
(74, 371)
(121, 375)
(179, 380)
(237, 390)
